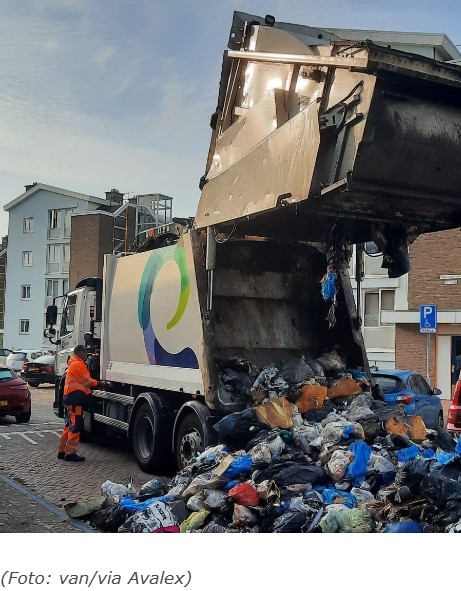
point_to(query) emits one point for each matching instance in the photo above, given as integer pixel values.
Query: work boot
(61, 455)
(73, 458)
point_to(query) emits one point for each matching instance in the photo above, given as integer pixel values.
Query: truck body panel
(152, 333)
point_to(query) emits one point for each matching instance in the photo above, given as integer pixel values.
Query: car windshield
(389, 384)
(6, 374)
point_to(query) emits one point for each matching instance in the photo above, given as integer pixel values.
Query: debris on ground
(313, 452)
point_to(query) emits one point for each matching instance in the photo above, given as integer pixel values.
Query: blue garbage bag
(458, 447)
(347, 431)
(429, 454)
(358, 467)
(132, 505)
(329, 287)
(330, 494)
(231, 484)
(408, 453)
(444, 457)
(241, 465)
(404, 527)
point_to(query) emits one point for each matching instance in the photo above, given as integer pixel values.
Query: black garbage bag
(451, 514)
(215, 527)
(289, 522)
(372, 428)
(445, 440)
(452, 470)
(300, 475)
(156, 487)
(270, 471)
(179, 510)
(412, 473)
(295, 371)
(318, 415)
(237, 429)
(109, 519)
(438, 489)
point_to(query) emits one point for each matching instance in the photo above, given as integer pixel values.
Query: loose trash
(313, 452)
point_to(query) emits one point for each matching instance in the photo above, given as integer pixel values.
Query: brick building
(435, 278)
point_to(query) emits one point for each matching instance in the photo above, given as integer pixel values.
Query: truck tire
(189, 440)
(148, 443)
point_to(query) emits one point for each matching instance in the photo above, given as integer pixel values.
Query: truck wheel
(189, 440)
(148, 446)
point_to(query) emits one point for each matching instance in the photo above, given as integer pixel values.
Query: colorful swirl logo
(156, 353)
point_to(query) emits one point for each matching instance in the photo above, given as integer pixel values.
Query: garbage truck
(317, 143)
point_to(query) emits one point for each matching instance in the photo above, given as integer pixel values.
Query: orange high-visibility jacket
(78, 377)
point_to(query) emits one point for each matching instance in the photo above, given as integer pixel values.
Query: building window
(59, 223)
(55, 288)
(28, 225)
(53, 258)
(25, 292)
(66, 259)
(67, 214)
(27, 258)
(374, 302)
(24, 326)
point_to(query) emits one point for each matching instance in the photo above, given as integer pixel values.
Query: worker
(77, 389)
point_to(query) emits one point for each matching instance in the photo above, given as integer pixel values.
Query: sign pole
(428, 358)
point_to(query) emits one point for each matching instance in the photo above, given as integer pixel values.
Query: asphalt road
(28, 455)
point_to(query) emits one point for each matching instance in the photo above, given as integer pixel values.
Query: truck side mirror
(437, 392)
(51, 315)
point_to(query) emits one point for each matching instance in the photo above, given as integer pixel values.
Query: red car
(454, 412)
(14, 396)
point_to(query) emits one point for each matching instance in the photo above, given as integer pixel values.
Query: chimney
(28, 187)
(114, 196)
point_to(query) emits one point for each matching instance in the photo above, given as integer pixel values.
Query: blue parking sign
(428, 318)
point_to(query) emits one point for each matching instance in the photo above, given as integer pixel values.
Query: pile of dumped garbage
(315, 452)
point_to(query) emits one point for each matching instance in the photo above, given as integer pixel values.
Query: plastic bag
(300, 474)
(360, 408)
(156, 518)
(264, 451)
(154, 488)
(194, 521)
(412, 473)
(408, 453)
(244, 494)
(332, 496)
(243, 516)
(444, 457)
(331, 361)
(196, 502)
(216, 528)
(211, 455)
(339, 461)
(205, 480)
(445, 440)
(328, 286)
(289, 522)
(238, 429)
(364, 497)
(214, 499)
(241, 465)
(109, 519)
(112, 489)
(348, 521)
(439, 490)
(296, 371)
(132, 505)
(404, 527)
(332, 433)
(358, 467)
(179, 485)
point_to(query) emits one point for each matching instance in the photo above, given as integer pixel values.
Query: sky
(102, 94)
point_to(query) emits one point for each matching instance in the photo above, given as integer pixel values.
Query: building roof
(51, 189)
(441, 42)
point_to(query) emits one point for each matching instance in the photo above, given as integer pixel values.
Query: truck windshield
(68, 314)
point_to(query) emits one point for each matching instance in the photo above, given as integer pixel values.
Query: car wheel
(440, 421)
(23, 417)
(34, 384)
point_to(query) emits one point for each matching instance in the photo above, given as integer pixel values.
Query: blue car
(411, 389)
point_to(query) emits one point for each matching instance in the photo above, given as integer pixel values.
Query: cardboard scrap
(276, 413)
(412, 427)
(345, 386)
(312, 398)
